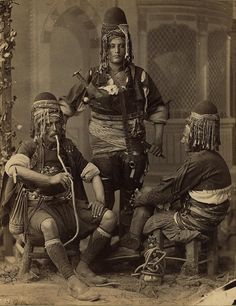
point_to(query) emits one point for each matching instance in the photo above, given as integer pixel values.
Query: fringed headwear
(204, 123)
(44, 108)
(115, 25)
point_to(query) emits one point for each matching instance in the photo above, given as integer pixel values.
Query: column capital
(202, 24)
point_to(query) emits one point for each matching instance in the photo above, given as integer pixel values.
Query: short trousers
(63, 215)
(164, 221)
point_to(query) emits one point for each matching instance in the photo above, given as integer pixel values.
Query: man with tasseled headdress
(43, 197)
(121, 97)
(191, 202)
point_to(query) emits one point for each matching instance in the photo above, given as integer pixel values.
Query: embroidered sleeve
(89, 172)
(160, 115)
(175, 186)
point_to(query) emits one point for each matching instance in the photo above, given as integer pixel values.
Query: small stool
(29, 252)
(193, 254)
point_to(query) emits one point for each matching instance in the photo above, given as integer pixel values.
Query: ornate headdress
(44, 108)
(115, 25)
(204, 123)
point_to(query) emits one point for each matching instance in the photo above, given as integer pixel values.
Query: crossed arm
(18, 168)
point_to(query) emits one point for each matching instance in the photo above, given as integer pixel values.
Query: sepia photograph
(118, 152)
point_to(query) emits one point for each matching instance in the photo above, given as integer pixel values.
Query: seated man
(194, 200)
(48, 173)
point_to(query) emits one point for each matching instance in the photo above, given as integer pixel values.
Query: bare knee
(143, 211)
(49, 228)
(146, 189)
(109, 219)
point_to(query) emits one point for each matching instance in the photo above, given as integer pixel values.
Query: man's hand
(97, 208)
(63, 179)
(156, 149)
(140, 196)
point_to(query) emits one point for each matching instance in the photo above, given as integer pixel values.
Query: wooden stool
(29, 252)
(193, 254)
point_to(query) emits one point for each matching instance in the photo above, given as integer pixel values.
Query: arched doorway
(73, 44)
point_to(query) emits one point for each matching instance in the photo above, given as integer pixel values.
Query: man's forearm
(159, 130)
(30, 177)
(98, 189)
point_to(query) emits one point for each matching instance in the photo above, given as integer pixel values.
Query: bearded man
(46, 201)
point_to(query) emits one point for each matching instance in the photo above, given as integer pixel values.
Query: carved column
(143, 58)
(227, 98)
(202, 67)
(233, 68)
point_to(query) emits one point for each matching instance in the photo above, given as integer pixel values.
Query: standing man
(46, 201)
(121, 97)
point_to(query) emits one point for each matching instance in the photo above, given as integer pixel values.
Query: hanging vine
(7, 45)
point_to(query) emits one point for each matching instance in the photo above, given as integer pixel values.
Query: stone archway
(90, 17)
(70, 36)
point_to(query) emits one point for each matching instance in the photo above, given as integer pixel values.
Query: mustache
(53, 134)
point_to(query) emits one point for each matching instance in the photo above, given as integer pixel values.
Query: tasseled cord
(73, 195)
(41, 118)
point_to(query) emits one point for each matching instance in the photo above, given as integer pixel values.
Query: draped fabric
(193, 219)
(201, 216)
